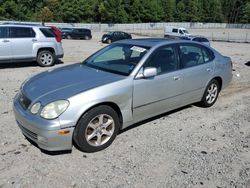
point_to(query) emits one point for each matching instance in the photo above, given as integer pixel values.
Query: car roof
(149, 42)
(23, 25)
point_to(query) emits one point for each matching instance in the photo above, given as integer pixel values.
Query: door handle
(177, 78)
(34, 40)
(5, 40)
(209, 70)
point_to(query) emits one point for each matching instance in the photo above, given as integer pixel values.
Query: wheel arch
(46, 48)
(219, 80)
(113, 105)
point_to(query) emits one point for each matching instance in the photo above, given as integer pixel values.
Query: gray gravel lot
(190, 147)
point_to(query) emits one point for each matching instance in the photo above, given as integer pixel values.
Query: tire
(211, 94)
(96, 129)
(46, 58)
(68, 37)
(109, 41)
(87, 38)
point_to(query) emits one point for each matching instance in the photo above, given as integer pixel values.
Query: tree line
(126, 11)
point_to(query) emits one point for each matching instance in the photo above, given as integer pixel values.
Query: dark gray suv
(29, 43)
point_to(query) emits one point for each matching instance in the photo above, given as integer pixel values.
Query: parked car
(122, 84)
(173, 32)
(19, 42)
(201, 39)
(115, 36)
(76, 33)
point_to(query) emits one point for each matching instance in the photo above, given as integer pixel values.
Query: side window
(175, 30)
(3, 32)
(208, 55)
(49, 33)
(191, 55)
(204, 40)
(22, 32)
(197, 39)
(164, 59)
(180, 31)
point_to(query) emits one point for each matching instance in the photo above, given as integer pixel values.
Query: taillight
(58, 33)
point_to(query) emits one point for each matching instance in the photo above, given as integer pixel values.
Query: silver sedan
(124, 83)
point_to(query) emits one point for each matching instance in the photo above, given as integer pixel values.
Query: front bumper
(43, 132)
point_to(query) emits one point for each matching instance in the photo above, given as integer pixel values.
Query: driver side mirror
(148, 72)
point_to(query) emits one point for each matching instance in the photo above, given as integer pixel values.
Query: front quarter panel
(119, 92)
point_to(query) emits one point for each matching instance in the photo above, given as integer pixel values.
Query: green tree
(45, 15)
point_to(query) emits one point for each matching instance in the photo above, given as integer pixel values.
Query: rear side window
(47, 32)
(3, 32)
(203, 40)
(175, 30)
(208, 55)
(191, 55)
(22, 32)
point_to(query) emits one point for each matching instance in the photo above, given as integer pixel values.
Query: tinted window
(3, 32)
(164, 59)
(175, 30)
(191, 55)
(180, 31)
(203, 40)
(47, 32)
(22, 32)
(197, 39)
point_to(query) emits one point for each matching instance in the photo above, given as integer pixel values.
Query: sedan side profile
(115, 36)
(123, 83)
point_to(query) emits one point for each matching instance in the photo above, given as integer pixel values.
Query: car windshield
(185, 31)
(117, 58)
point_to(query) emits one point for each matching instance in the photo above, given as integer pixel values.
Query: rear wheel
(46, 58)
(211, 93)
(68, 37)
(96, 129)
(87, 38)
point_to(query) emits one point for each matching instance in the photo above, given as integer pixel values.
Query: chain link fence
(213, 31)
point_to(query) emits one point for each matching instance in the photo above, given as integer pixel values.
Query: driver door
(158, 94)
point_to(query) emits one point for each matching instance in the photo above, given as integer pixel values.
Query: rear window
(22, 32)
(3, 32)
(47, 32)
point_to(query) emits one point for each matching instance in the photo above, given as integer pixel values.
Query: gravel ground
(190, 147)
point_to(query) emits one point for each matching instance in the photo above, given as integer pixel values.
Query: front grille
(24, 101)
(28, 133)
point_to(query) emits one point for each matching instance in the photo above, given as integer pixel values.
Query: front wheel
(96, 129)
(211, 93)
(46, 58)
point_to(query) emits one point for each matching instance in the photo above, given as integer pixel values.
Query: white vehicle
(173, 32)
(25, 43)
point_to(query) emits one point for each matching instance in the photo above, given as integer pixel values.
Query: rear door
(197, 69)
(22, 39)
(5, 45)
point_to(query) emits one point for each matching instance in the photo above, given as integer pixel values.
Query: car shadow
(154, 118)
(23, 64)
(63, 152)
(247, 63)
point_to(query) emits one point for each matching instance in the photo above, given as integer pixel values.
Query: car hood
(65, 82)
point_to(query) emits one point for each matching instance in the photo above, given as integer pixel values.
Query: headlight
(35, 108)
(54, 109)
